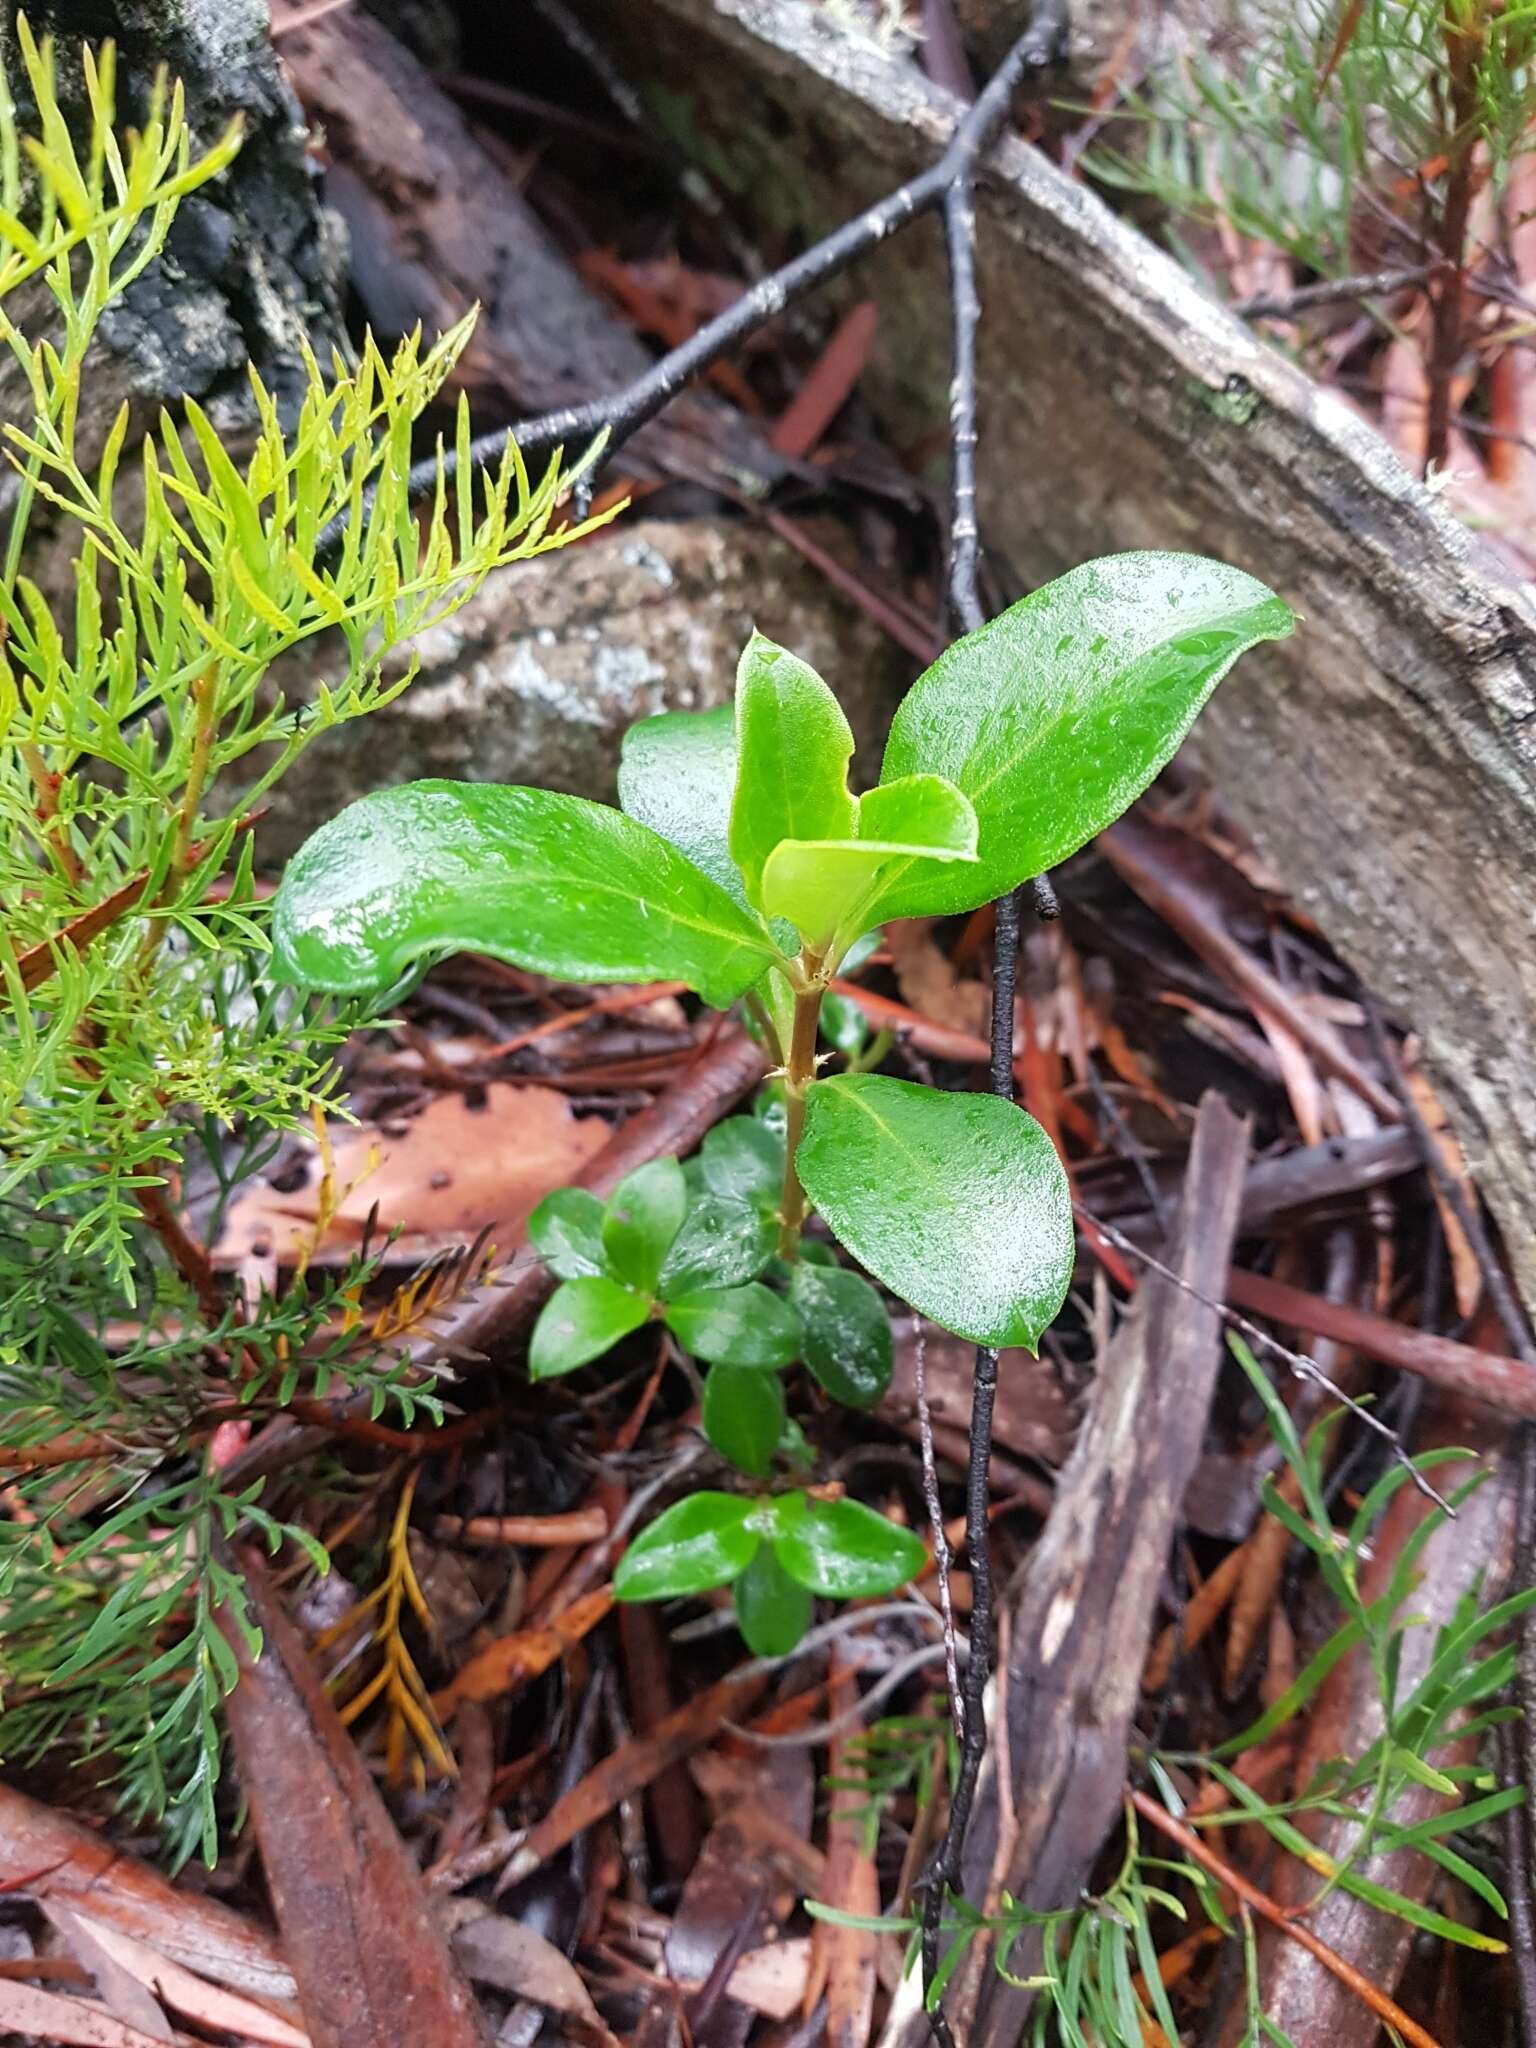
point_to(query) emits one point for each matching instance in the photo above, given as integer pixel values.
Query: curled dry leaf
(493, 1948)
(450, 1174)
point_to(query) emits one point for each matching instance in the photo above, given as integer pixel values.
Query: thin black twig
(1035, 50)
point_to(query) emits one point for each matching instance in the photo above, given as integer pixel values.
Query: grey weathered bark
(252, 267)
(1385, 759)
(536, 679)
(1081, 1625)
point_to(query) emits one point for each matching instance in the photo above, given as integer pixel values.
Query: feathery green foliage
(143, 1049)
(1310, 130)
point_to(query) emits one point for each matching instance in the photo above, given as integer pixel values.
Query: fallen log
(1384, 759)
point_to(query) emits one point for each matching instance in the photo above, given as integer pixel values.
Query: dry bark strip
(369, 1956)
(1081, 1626)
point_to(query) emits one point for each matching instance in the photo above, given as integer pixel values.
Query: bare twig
(1298, 1362)
(1374, 284)
(936, 1523)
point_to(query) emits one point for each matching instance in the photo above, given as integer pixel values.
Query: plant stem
(799, 1073)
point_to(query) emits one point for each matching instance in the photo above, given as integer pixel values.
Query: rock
(536, 679)
(1385, 758)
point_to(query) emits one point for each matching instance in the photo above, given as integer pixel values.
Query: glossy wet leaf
(957, 1202)
(826, 888)
(743, 1412)
(723, 1243)
(793, 746)
(582, 1319)
(701, 1542)
(845, 1333)
(566, 1230)
(747, 1326)
(1056, 715)
(551, 882)
(772, 1611)
(843, 1549)
(644, 1214)
(677, 774)
(743, 1159)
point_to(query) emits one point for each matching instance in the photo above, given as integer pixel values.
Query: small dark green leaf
(566, 1230)
(743, 1160)
(846, 1333)
(704, 1541)
(772, 1612)
(644, 1214)
(744, 1415)
(747, 1326)
(723, 1243)
(958, 1203)
(551, 882)
(1053, 718)
(677, 774)
(582, 1319)
(843, 1549)
(793, 746)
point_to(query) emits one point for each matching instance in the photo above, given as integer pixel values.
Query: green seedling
(743, 864)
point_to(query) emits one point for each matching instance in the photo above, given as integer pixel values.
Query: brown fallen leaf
(50, 1856)
(40, 2016)
(123, 1991)
(928, 982)
(369, 1956)
(451, 1174)
(511, 1662)
(226, 2012)
(495, 1949)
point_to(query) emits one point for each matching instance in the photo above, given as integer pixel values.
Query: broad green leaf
(566, 1230)
(743, 1414)
(1054, 717)
(701, 1542)
(723, 1243)
(677, 774)
(826, 887)
(772, 1612)
(842, 1549)
(582, 1319)
(793, 746)
(552, 882)
(746, 1326)
(847, 1334)
(958, 1203)
(644, 1214)
(744, 1160)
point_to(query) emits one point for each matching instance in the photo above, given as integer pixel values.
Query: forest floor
(618, 1813)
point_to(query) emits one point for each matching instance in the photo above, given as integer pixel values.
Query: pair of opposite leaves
(1021, 742)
